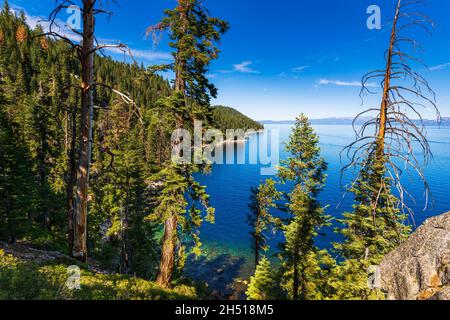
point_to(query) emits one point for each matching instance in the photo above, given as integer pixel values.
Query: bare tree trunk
(87, 110)
(167, 262)
(381, 135)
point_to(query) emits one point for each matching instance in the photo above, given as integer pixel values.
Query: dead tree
(392, 135)
(86, 49)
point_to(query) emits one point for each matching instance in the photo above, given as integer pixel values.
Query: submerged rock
(420, 267)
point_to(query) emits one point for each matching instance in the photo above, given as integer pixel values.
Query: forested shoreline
(87, 170)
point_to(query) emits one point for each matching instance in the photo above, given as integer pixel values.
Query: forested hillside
(95, 174)
(228, 118)
(39, 134)
(39, 113)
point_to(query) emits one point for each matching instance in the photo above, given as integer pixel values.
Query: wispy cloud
(59, 26)
(147, 55)
(344, 83)
(64, 30)
(440, 66)
(300, 69)
(244, 67)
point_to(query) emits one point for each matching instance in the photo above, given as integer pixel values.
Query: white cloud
(59, 26)
(64, 30)
(244, 67)
(440, 66)
(147, 55)
(300, 69)
(344, 83)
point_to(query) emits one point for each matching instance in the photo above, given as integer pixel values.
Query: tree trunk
(256, 252)
(381, 135)
(71, 183)
(87, 110)
(170, 237)
(167, 263)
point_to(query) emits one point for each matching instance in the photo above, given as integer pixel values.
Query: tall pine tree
(305, 171)
(194, 34)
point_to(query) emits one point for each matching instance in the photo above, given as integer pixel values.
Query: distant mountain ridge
(348, 121)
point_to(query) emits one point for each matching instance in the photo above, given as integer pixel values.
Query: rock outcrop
(420, 268)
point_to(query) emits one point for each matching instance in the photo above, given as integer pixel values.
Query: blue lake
(229, 188)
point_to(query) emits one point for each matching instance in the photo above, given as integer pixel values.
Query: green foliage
(349, 281)
(228, 118)
(317, 275)
(260, 219)
(183, 197)
(17, 190)
(194, 34)
(264, 284)
(38, 112)
(373, 229)
(305, 170)
(49, 283)
(304, 270)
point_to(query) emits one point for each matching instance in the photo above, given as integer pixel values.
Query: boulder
(420, 268)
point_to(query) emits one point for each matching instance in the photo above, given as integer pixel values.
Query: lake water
(229, 188)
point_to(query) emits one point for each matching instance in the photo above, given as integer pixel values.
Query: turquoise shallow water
(229, 188)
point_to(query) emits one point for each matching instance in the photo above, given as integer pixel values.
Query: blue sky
(281, 58)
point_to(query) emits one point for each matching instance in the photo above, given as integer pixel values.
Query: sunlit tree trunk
(381, 135)
(169, 244)
(170, 238)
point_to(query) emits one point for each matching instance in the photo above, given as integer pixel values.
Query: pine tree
(40, 129)
(305, 170)
(17, 187)
(181, 217)
(370, 231)
(377, 223)
(263, 285)
(262, 200)
(194, 34)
